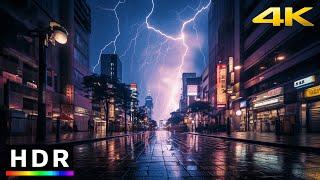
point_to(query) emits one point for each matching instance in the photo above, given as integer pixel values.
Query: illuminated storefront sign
(268, 102)
(271, 93)
(312, 92)
(230, 64)
(111, 110)
(304, 82)
(192, 90)
(221, 85)
(243, 104)
(80, 111)
(232, 77)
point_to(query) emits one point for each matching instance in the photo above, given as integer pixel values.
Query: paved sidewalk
(303, 141)
(68, 138)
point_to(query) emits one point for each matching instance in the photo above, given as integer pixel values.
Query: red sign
(133, 86)
(70, 93)
(221, 85)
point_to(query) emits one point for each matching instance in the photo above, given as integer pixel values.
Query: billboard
(192, 90)
(221, 85)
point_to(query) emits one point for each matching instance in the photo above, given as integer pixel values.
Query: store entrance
(314, 116)
(266, 120)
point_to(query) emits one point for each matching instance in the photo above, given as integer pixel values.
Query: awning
(65, 117)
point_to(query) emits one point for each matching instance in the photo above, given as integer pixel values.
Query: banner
(221, 85)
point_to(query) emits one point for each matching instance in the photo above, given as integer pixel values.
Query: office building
(111, 66)
(66, 64)
(224, 60)
(281, 67)
(273, 85)
(149, 106)
(183, 99)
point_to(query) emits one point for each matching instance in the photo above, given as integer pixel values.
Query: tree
(200, 108)
(139, 115)
(101, 89)
(123, 100)
(175, 118)
(153, 124)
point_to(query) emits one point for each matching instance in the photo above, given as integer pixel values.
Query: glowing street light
(57, 33)
(52, 34)
(238, 112)
(280, 57)
(238, 67)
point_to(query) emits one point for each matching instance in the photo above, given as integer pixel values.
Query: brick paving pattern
(162, 155)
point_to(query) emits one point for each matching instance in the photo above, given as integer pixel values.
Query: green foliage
(101, 88)
(123, 96)
(175, 119)
(153, 123)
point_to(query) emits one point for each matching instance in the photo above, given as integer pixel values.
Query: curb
(78, 142)
(282, 145)
(83, 141)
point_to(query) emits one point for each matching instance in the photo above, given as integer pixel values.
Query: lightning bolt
(181, 38)
(114, 41)
(160, 51)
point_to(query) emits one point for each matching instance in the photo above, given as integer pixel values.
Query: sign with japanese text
(312, 92)
(221, 85)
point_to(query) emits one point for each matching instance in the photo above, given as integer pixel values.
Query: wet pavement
(307, 140)
(162, 155)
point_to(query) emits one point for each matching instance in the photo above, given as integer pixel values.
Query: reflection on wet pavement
(160, 155)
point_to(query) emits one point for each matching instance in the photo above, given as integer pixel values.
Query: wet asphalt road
(162, 155)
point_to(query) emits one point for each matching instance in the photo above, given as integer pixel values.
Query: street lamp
(57, 33)
(238, 112)
(238, 67)
(54, 33)
(280, 57)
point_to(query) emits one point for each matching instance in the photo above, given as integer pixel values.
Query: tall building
(224, 57)
(193, 89)
(111, 66)
(149, 106)
(204, 86)
(273, 86)
(134, 96)
(77, 17)
(66, 64)
(183, 99)
(281, 67)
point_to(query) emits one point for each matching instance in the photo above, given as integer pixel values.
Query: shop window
(29, 104)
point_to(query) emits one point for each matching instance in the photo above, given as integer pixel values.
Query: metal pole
(41, 119)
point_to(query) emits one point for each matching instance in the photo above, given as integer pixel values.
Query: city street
(160, 155)
(151, 89)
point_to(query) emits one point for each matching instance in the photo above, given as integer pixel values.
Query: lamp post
(54, 33)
